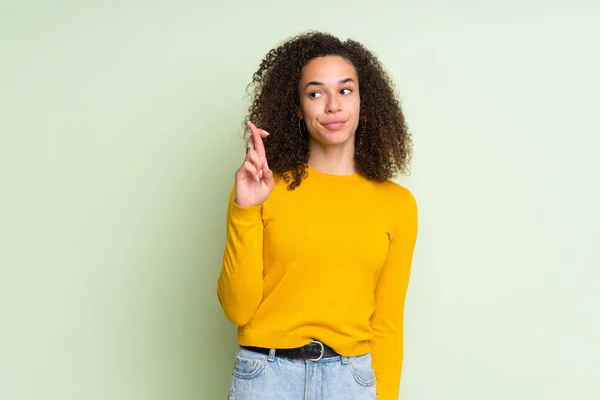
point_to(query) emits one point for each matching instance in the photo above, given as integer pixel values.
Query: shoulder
(402, 208)
(397, 194)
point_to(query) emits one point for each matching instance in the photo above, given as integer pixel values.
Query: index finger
(258, 143)
(250, 144)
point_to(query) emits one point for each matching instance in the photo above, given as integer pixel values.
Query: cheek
(352, 104)
(355, 115)
(356, 104)
(310, 110)
(354, 107)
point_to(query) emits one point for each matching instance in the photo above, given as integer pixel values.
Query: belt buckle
(322, 351)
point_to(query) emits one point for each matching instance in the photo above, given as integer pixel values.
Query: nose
(333, 105)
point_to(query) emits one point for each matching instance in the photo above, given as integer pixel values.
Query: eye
(314, 95)
(345, 91)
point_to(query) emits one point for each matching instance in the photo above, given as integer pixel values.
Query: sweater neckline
(331, 177)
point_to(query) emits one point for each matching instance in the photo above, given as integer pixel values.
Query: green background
(120, 125)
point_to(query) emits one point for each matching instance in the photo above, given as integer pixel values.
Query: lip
(334, 124)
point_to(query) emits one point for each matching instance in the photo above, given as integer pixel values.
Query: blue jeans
(259, 376)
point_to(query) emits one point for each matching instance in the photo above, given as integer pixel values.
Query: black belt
(313, 351)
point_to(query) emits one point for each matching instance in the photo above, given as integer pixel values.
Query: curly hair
(382, 141)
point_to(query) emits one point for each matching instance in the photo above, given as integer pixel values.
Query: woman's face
(329, 100)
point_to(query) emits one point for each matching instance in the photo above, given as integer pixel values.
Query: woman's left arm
(390, 293)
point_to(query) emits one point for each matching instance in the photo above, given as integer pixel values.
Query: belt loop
(271, 356)
(345, 360)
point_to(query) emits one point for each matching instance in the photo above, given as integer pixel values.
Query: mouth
(333, 125)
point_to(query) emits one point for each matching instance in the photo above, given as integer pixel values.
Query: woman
(319, 240)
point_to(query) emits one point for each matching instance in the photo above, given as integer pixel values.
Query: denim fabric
(259, 376)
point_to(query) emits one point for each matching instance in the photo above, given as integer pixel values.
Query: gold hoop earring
(300, 128)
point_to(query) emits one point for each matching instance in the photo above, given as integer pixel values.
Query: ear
(299, 112)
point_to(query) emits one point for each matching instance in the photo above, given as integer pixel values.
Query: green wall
(120, 126)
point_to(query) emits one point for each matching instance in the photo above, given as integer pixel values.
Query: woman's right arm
(240, 284)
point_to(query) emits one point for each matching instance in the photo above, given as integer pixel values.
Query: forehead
(328, 69)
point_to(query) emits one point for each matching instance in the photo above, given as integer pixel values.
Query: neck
(334, 160)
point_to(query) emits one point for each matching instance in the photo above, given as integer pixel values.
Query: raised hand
(254, 180)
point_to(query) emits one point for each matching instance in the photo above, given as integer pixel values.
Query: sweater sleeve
(390, 293)
(240, 284)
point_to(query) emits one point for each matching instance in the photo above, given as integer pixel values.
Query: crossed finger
(250, 145)
(256, 141)
(253, 158)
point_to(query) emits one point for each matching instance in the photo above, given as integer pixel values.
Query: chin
(334, 138)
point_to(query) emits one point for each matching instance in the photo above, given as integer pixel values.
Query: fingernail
(267, 133)
(260, 174)
(266, 166)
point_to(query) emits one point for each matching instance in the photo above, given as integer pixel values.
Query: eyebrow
(322, 84)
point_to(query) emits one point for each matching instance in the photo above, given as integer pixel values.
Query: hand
(254, 180)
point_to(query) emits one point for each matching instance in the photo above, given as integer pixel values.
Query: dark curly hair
(382, 141)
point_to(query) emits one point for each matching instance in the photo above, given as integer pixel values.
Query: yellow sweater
(328, 261)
